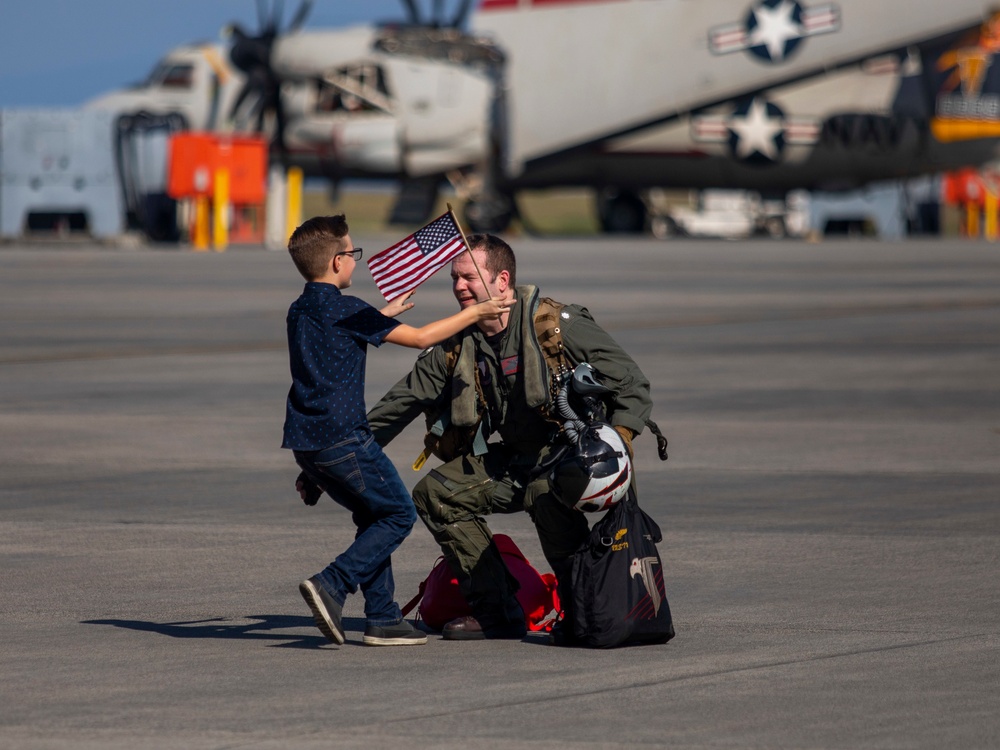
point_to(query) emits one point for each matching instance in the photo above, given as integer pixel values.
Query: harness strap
(661, 441)
(548, 332)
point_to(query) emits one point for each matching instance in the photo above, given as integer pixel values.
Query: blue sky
(59, 53)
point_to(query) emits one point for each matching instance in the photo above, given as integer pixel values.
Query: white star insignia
(775, 28)
(755, 131)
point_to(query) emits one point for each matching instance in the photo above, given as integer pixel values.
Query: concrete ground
(831, 509)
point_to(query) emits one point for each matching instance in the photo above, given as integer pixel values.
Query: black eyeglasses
(356, 252)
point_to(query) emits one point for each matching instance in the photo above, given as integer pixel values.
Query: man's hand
(627, 435)
(308, 490)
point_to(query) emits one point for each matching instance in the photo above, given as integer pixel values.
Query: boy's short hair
(314, 243)
(499, 256)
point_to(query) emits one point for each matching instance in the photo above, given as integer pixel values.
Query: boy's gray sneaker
(326, 611)
(403, 634)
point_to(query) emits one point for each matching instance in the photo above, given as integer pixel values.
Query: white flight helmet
(596, 472)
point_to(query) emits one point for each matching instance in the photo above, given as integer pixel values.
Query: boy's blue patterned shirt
(328, 337)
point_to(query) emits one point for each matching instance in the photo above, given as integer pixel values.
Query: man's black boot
(489, 624)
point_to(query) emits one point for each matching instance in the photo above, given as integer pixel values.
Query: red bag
(441, 601)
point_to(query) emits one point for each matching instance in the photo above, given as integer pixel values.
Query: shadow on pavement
(258, 628)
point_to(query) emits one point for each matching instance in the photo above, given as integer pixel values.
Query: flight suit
(503, 478)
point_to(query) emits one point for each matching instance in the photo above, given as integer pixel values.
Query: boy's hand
(399, 305)
(494, 307)
(308, 490)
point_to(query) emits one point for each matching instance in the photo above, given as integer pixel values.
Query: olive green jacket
(515, 384)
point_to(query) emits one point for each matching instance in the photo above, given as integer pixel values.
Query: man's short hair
(499, 256)
(315, 242)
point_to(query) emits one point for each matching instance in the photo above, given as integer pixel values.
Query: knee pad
(440, 501)
(422, 494)
(429, 499)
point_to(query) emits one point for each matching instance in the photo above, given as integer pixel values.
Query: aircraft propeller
(438, 19)
(252, 55)
(441, 37)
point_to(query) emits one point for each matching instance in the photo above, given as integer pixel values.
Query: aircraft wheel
(774, 226)
(663, 227)
(488, 214)
(621, 212)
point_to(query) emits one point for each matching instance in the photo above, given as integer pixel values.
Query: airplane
(617, 95)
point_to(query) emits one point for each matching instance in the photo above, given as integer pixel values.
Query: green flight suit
(453, 498)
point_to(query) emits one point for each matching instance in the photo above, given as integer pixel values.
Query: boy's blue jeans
(358, 475)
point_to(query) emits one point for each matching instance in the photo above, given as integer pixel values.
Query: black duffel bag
(617, 582)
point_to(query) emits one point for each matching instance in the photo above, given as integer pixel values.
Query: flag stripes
(409, 268)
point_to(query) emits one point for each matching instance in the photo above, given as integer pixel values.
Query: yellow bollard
(971, 219)
(220, 200)
(293, 215)
(990, 229)
(200, 239)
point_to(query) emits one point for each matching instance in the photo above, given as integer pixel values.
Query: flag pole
(468, 249)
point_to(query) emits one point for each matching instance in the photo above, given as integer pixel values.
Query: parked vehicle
(731, 214)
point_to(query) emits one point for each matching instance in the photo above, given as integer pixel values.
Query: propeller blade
(461, 14)
(300, 16)
(240, 98)
(414, 12)
(261, 15)
(279, 123)
(279, 11)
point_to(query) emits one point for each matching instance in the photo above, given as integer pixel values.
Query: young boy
(326, 427)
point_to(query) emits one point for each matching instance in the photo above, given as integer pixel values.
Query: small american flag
(410, 262)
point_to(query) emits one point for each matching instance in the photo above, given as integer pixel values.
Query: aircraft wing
(628, 64)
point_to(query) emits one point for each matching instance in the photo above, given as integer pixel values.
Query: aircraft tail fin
(968, 101)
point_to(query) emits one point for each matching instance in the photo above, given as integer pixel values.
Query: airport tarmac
(831, 509)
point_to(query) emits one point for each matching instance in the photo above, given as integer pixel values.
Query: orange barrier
(963, 186)
(226, 173)
(977, 193)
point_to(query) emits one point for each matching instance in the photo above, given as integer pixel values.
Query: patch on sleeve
(426, 351)
(511, 365)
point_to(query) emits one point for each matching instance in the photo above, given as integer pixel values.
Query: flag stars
(435, 234)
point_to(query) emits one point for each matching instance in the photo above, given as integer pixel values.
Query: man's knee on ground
(428, 495)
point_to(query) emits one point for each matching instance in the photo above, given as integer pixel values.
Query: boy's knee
(409, 514)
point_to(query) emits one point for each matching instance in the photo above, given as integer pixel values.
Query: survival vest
(447, 441)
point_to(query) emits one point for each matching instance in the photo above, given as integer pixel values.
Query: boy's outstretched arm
(439, 330)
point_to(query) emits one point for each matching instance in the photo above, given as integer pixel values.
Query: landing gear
(774, 227)
(663, 227)
(621, 211)
(489, 213)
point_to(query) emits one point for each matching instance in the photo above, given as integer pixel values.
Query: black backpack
(617, 582)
